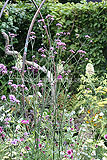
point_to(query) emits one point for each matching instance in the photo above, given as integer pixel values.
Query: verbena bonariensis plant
(35, 123)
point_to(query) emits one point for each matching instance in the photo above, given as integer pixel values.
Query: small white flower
(89, 69)
(104, 158)
(62, 153)
(17, 127)
(101, 114)
(68, 129)
(19, 62)
(60, 68)
(39, 94)
(93, 153)
(96, 117)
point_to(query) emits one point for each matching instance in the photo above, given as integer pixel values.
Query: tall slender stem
(43, 22)
(3, 8)
(26, 46)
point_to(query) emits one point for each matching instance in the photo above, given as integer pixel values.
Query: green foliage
(65, 1)
(84, 19)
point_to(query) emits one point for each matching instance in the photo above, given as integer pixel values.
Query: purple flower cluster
(72, 51)
(81, 51)
(25, 121)
(32, 37)
(61, 43)
(59, 25)
(41, 20)
(13, 99)
(87, 36)
(3, 97)
(62, 33)
(41, 50)
(59, 77)
(49, 16)
(12, 35)
(3, 69)
(14, 142)
(40, 84)
(1, 129)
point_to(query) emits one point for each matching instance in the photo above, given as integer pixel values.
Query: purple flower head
(32, 33)
(69, 152)
(59, 77)
(33, 56)
(64, 48)
(72, 51)
(3, 135)
(51, 48)
(105, 136)
(25, 121)
(44, 26)
(32, 37)
(40, 84)
(57, 34)
(26, 88)
(68, 33)
(21, 139)
(14, 142)
(12, 35)
(41, 20)
(81, 51)
(87, 36)
(41, 49)
(27, 148)
(7, 119)
(49, 16)
(43, 55)
(38, 140)
(61, 44)
(52, 19)
(3, 69)
(59, 25)
(17, 101)
(40, 145)
(25, 134)
(14, 86)
(12, 98)
(3, 98)
(51, 56)
(10, 72)
(15, 68)
(22, 85)
(72, 129)
(21, 154)
(1, 129)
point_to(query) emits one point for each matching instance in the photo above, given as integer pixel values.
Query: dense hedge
(83, 19)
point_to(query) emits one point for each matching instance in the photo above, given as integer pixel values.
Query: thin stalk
(26, 46)
(43, 22)
(3, 8)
